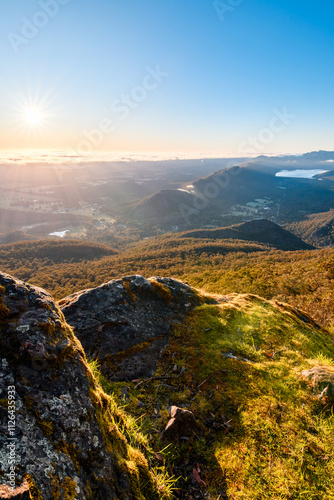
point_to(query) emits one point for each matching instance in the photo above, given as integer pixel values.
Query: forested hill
(262, 231)
(304, 278)
(316, 229)
(54, 251)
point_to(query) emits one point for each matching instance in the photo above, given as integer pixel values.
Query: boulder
(56, 433)
(126, 323)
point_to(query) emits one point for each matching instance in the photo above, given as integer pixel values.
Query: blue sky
(226, 72)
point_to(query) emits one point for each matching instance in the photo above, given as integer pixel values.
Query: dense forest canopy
(303, 278)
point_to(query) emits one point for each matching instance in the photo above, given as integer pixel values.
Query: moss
(46, 306)
(48, 328)
(201, 297)
(114, 425)
(70, 353)
(55, 493)
(69, 489)
(99, 397)
(162, 290)
(4, 311)
(120, 356)
(34, 492)
(46, 427)
(114, 440)
(65, 490)
(70, 450)
(4, 403)
(67, 301)
(127, 287)
(29, 403)
(141, 479)
(272, 450)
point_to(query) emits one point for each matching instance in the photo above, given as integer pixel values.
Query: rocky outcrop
(56, 433)
(126, 323)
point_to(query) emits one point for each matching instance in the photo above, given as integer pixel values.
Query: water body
(60, 234)
(299, 173)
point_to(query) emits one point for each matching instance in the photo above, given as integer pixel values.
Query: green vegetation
(4, 311)
(120, 435)
(262, 433)
(302, 278)
(130, 441)
(54, 251)
(316, 229)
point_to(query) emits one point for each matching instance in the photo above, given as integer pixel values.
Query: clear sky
(235, 77)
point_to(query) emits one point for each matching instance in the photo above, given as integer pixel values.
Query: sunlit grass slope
(262, 433)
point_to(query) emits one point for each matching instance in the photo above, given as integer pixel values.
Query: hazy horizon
(49, 156)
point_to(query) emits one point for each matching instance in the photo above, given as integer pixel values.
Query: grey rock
(55, 440)
(126, 323)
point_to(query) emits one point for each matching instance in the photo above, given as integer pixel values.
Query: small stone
(181, 425)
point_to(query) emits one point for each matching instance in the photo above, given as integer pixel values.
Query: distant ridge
(233, 185)
(262, 231)
(213, 197)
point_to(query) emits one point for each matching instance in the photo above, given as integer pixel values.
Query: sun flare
(33, 117)
(33, 114)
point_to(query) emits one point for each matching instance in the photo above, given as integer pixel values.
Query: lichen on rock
(60, 440)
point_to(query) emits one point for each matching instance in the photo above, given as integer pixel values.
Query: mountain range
(240, 193)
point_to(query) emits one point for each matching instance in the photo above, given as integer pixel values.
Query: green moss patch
(4, 311)
(262, 433)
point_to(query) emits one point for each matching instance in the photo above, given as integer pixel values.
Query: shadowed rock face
(126, 323)
(59, 447)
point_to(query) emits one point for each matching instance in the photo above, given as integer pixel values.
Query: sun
(33, 117)
(33, 113)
